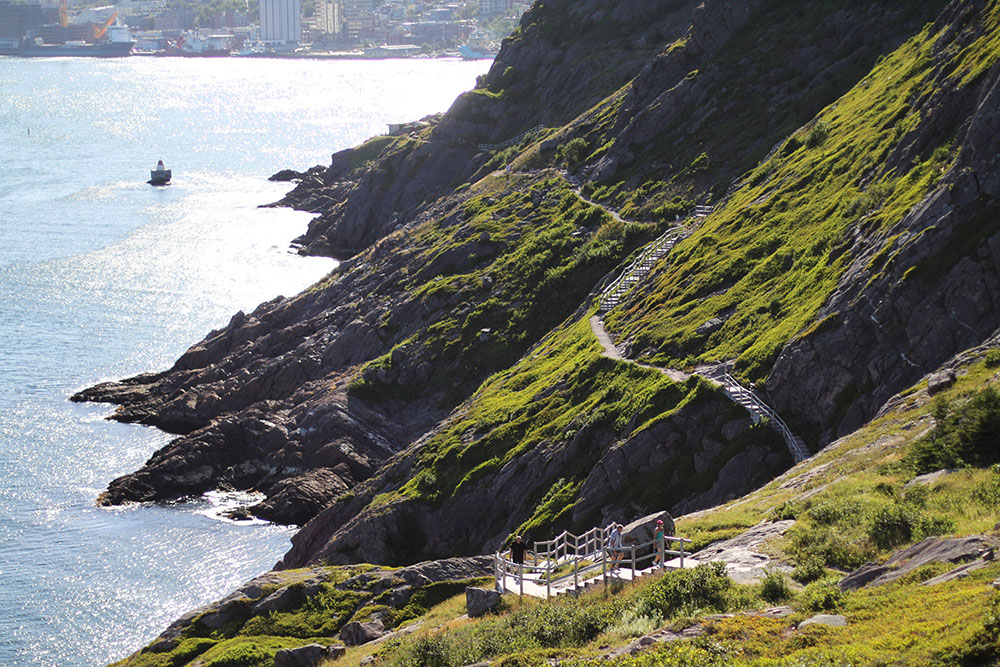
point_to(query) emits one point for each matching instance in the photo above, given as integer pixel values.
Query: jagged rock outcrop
(395, 532)
(920, 291)
(323, 400)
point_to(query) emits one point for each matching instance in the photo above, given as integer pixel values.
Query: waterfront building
(15, 20)
(358, 17)
(281, 20)
(330, 19)
(495, 7)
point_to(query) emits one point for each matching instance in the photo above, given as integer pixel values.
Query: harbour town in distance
(258, 28)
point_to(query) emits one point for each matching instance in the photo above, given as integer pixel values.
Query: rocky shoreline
(324, 401)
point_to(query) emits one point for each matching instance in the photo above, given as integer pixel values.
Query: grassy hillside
(855, 501)
(879, 195)
(770, 258)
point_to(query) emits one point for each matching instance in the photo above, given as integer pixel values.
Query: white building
(281, 20)
(330, 20)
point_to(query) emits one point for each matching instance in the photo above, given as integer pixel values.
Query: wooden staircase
(638, 269)
(570, 564)
(759, 410)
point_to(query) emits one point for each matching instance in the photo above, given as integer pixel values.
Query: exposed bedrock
(540, 78)
(685, 463)
(300, 461)
(916, 293)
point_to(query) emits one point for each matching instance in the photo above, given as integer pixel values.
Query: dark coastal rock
(889, 323)
(285, 175)
(479, 601)
(309, 655)
(346, 531)
(355, 634)
(295, 500)
(308, 396)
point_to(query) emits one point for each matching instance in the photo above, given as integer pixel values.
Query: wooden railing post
(520, 568)
(633, 562)
(682, 552)
(496, 574)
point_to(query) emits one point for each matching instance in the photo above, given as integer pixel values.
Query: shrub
(632, 623)
(966, 435)
(992, 359)
(822, 596)
(893, 525)
(686, 591)
(988, 493)
(775, 588)
(899, 523)
(829, 513)
(784, 511)
(573, 152)
(810, 569)
(829, 545)
(818, 134)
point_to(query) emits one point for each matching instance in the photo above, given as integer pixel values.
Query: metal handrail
(556, 552)
(510, 142)
(671, 236)
(794, 448)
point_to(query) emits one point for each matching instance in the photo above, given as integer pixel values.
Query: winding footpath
(717, 374)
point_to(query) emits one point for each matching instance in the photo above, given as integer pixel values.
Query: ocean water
(103, 276)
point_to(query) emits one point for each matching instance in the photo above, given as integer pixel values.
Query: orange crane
(63, 20)
(104, 28)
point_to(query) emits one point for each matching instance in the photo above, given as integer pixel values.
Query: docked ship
(192, 45)
(118, 43)
(478, 47)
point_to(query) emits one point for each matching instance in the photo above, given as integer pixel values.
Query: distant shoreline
(332, 55)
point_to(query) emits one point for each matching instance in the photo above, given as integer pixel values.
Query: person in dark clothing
(517, 550)
(517, 555)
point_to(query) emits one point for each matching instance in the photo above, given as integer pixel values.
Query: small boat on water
(160, 175)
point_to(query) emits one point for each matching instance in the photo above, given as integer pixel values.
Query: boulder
(355, 633)
(832, 620)
(287, 597)
(309, 655)
(478, 601)
(940, 381)
(642, 530)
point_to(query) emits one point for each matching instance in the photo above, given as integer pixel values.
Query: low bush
(963, 435)
(822, 596)
(808, 570)
(900, 523)
(775, 588)
(829, 545)
(688, 591)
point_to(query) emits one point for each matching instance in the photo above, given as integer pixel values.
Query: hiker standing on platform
(615, 544)
(517, 554)
(658, 542)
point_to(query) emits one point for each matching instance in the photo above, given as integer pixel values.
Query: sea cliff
(847, 153)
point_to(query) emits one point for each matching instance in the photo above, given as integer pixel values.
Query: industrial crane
(104, 28)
